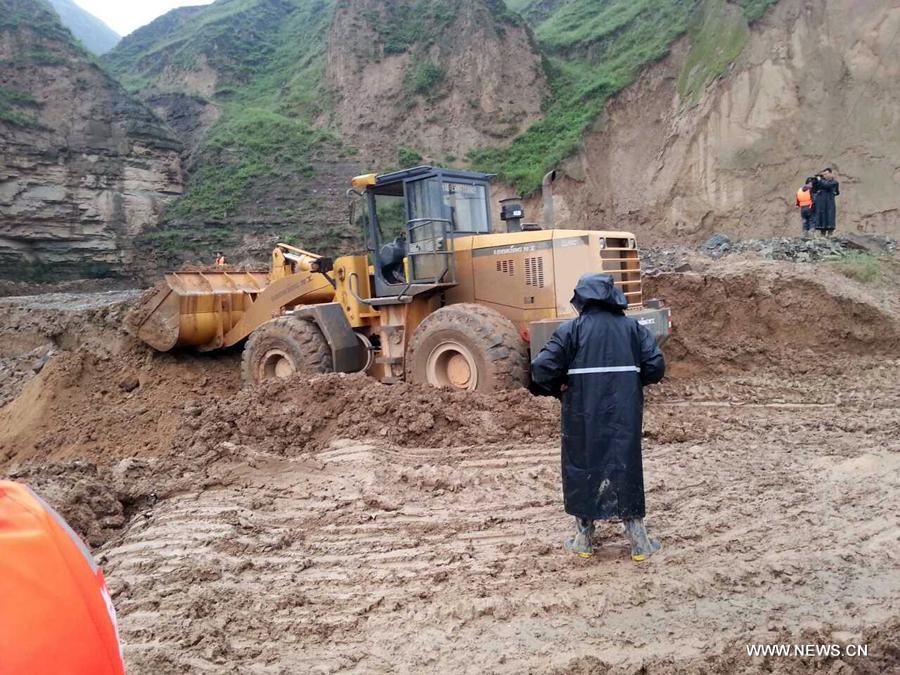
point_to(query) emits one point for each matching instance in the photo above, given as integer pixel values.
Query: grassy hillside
(261, 65)
(267, 58)
(596, 48)
(18, 107)
(276, 149)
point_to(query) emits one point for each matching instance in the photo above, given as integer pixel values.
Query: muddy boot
(581, 542)
(642, 546)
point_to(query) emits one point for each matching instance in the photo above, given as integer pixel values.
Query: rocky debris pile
(666, 259)
(797, 249)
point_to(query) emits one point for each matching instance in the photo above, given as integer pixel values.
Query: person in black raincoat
(598, 364)
(825, 189)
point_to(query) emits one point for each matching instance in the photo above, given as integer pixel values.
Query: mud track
(335, 524)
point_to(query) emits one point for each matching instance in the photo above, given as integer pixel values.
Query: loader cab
(412, 217)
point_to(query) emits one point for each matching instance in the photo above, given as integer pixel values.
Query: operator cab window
(391, 211)
(390, 219)
(468, 207)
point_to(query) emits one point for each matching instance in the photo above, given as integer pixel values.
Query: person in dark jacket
(825, 189)
(598, 364)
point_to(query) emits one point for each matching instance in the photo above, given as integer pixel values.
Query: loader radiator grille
(507, 267)
(534, 272)
(624, 264)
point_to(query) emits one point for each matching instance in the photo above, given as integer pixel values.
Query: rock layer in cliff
(84, 168)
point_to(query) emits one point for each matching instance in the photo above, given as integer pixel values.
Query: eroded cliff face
(816, 85)
(438, 78)
(84, 168)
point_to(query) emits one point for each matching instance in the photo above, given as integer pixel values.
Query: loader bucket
(194, 309)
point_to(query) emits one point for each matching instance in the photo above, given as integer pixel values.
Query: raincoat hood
(598, 289)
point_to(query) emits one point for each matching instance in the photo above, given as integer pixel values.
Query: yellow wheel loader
(439, 297)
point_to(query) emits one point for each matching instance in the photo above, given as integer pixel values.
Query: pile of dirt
(34, 328)
(105, 407)
(754, 313)
(288, 417)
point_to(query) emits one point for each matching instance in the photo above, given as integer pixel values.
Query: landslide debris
(757, 313)
(292, 416)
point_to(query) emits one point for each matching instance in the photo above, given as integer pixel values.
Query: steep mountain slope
(816, 83)
(593, 50)
(438, 78)
(96, 36)
(245, 78)
(84, 168)
(282, 101)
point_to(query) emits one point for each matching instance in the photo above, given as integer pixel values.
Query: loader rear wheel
(282, 347)
(467, 347)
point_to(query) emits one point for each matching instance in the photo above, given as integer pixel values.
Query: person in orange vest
(807, 206)
(220, 260)
(56, 615)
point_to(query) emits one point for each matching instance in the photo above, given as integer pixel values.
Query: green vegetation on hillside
(863, 267)
(12, 102)
(269, 58)
(39, 19)
(247, 145)
(596, 48)
(237, 38)
(718, 34)
(407, 157)
(424, 78)
(400, 26)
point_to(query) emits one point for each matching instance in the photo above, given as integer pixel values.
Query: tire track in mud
(372, 558)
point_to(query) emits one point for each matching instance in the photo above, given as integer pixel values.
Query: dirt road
(775, 500)
(342, 526)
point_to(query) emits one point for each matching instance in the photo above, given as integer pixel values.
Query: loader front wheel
(467, 347)
(283, 347)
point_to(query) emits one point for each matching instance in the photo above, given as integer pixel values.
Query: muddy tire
(467, 347)
(282, 347)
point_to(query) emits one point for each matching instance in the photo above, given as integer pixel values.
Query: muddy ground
(338, 525)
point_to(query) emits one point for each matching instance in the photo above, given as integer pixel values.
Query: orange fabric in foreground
(56, 615)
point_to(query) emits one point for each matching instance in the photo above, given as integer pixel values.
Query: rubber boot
(642, 546)
(581, 542)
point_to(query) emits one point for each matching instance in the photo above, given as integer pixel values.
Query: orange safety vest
(804, 198)
(56, 615)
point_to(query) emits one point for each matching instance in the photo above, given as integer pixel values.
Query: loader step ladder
(392, 351)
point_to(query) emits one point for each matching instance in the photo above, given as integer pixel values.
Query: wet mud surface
(339, 525)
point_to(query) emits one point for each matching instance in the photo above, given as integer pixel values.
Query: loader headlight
(602, 243)
(632, 243)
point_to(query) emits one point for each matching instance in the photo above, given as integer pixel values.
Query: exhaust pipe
(547, 193)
